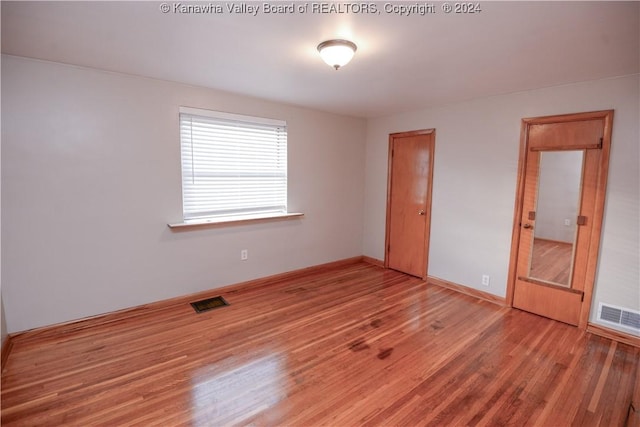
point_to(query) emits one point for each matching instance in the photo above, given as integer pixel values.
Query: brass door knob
(421, 212)
(527, 226)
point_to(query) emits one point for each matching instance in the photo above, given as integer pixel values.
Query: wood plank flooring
(350, 345)
(551, 261)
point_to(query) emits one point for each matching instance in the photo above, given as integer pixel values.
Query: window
(232, 165)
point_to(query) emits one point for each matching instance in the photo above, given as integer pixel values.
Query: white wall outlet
(485, 280)
(567, 222)
(244, 255)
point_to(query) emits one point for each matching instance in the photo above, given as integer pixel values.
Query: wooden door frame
(594, 242)
(427, 229)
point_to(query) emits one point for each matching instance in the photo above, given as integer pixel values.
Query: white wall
(476, 159)
(559, 186)
(3, 322)
(91, 177)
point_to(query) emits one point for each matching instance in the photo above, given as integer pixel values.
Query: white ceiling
(403, 63)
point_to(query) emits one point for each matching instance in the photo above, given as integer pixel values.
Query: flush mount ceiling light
(337, 53)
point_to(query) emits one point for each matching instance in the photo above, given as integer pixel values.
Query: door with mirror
(559, 214)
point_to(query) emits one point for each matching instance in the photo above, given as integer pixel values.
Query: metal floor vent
(209, 304)
(619, 316)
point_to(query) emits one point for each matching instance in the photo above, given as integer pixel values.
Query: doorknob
(527, 226)
(421, 212)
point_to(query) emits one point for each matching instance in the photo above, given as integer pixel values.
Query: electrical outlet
(244, 255)
(567, 222)
(485, 280)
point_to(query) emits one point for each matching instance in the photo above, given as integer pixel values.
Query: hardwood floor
(350, 345)
(551, 261)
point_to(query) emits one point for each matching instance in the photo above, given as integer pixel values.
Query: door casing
(591, 258)
(396, 138)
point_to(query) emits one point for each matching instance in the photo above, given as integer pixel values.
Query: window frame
(238, 217)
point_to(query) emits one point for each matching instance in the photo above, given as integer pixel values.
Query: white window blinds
(232, 165)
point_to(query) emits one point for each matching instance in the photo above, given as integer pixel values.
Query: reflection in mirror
(559, 185)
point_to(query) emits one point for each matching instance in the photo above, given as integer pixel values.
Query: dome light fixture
(337, 52)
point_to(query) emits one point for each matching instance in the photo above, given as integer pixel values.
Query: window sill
(234, 220)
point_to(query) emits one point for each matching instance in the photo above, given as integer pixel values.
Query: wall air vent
(627, 318)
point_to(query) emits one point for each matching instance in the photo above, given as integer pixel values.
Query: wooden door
(409, 201)
(557, 227)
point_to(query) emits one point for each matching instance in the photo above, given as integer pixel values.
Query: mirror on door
(555, 231)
